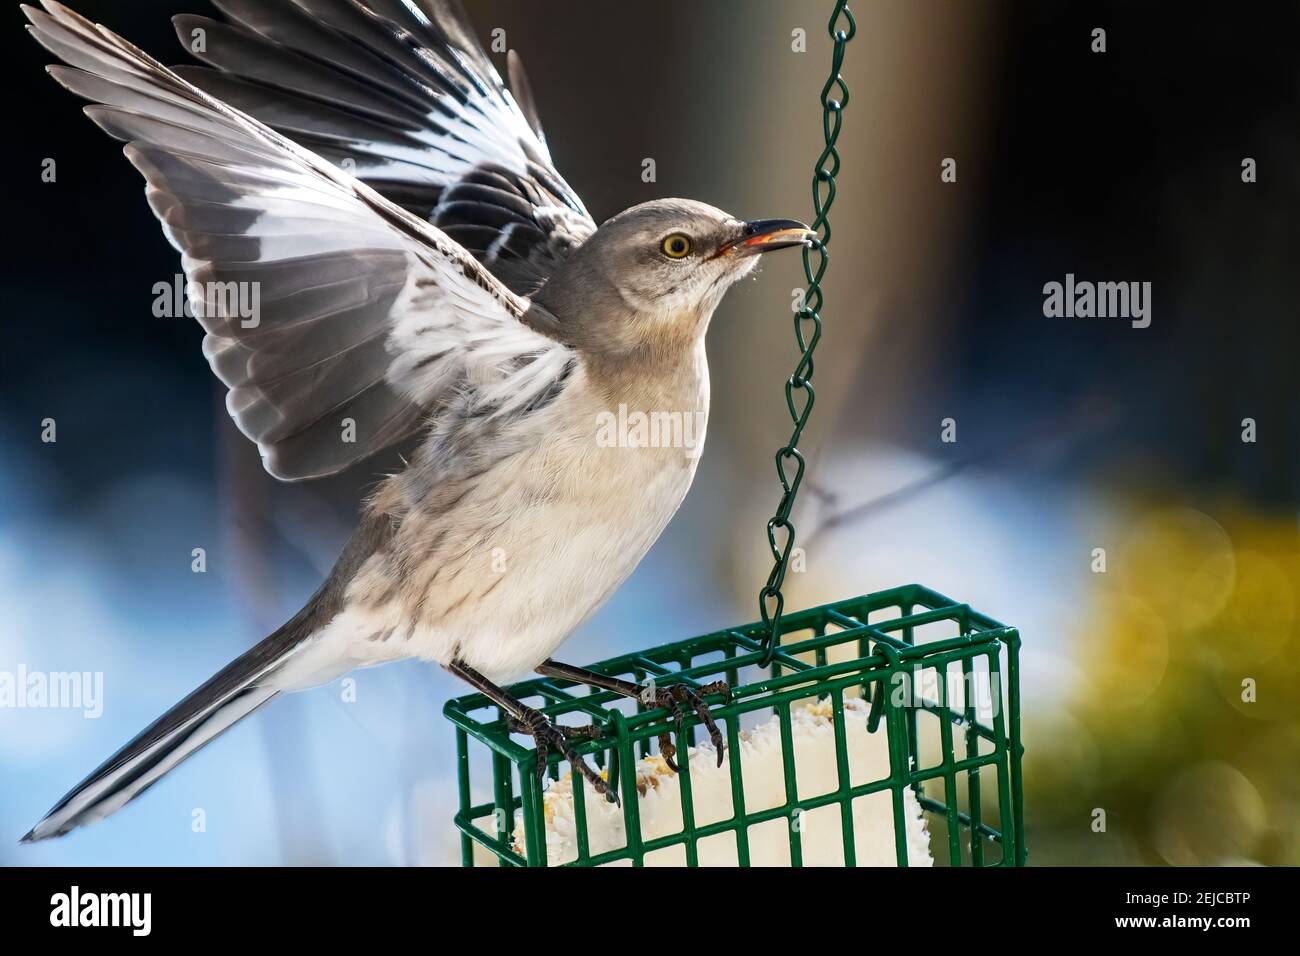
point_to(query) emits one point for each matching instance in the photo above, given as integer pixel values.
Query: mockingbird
(423, 272)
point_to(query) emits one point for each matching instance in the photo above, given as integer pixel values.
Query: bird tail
(232, 694)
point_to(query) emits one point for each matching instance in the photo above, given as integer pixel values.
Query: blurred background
(1099, 493)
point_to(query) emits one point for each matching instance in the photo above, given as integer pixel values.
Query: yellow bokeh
(1190, 702)
(1135, 638)
(1179, 562)
(1258, 618)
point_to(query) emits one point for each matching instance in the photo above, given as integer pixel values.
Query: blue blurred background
(1072, 434)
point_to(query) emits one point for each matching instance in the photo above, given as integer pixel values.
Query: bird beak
(767, 235)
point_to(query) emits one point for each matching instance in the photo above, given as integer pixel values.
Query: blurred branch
(1088, 418)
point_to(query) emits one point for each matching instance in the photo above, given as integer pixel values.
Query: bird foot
(548, 737)
(676, 698)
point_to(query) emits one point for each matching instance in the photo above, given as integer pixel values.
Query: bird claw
(548, 736)
(673, 698)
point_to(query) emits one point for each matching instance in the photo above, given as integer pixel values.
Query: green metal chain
(807, 331)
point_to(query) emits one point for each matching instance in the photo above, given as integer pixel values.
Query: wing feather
(339, 322)
(400, 93)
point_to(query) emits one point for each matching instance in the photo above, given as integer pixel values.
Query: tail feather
(232, 694)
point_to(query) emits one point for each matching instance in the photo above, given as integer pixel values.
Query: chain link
(799, 394)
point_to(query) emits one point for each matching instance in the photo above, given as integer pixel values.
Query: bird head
(650, 277)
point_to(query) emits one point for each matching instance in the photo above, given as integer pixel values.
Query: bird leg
(673, 698)
(546, 735)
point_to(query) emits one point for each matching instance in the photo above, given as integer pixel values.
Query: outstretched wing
(364, 318)
(399, 93)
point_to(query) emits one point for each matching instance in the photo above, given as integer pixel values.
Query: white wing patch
(435, 349)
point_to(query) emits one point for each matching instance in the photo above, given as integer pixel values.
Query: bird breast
(521, 553)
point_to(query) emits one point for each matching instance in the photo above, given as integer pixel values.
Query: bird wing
(367, 318)
(400, 93)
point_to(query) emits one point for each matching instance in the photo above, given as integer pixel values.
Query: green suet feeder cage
(883, 730)
(934, 683)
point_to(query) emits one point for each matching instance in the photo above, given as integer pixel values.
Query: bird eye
(676, 246)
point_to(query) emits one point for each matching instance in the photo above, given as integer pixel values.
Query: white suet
(813, 735)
